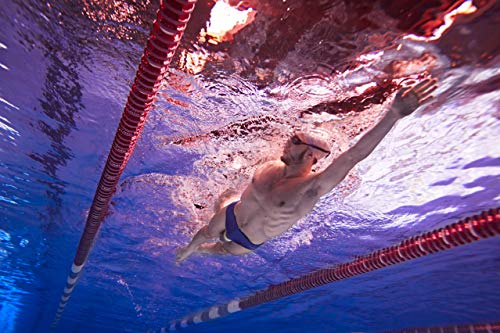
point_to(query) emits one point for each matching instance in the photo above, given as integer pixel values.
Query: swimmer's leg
(217, 248)
(202, 236)
(223, 248)
(214, 228)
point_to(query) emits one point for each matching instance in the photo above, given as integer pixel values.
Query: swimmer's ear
(310, 153)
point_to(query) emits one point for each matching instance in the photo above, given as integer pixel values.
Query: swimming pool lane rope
(467, 328)
(168, 28)
(465, 231)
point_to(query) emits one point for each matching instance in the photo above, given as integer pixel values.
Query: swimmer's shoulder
(268, 173)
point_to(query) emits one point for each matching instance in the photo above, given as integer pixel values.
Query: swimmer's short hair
(316, 140)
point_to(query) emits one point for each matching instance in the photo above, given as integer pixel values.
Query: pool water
(246, 76)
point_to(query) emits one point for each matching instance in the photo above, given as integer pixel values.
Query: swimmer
(285, 190)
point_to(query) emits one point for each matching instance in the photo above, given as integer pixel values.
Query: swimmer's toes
(181, 254)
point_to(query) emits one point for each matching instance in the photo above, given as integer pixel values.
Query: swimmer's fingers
(427, 90)
(404, 91)
(425, 100)
(424, 96)
(422, 86)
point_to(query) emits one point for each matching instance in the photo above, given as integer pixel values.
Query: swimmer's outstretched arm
(407, 100)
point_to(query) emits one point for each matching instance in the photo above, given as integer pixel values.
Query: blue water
(66, 69)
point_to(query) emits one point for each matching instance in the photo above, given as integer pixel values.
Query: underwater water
(234, 94)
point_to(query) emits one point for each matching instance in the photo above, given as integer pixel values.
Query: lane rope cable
(464, 328)
(171, 21)
(465, 231)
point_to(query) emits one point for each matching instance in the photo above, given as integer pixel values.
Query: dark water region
(233, 95)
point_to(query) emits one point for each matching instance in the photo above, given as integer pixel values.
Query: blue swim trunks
(233, 232)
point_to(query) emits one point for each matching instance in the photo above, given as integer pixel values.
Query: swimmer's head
(303, 146)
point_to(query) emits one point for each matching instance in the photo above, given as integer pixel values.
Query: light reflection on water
(11, 280)
(426, 155)
(69, 75)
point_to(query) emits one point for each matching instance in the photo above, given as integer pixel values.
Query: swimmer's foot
(182, 254)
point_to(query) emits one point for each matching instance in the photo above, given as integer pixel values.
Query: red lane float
(486, 224)
(168, 28)
(469, 328)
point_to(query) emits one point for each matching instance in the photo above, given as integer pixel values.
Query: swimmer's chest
(296, 194)
(284, 194)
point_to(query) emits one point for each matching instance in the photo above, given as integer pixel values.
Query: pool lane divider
(465, 231)
(171, 21)
(467, 328)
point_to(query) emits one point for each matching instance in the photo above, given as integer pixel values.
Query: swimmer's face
(298, 151)
(295, 152)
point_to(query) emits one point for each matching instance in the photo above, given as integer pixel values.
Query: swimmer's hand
(409, 99)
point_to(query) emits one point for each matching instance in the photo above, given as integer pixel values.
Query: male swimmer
(283, 191)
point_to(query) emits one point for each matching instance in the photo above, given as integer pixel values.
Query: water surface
(228, 105)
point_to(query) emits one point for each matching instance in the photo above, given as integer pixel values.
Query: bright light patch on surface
(117, 17)
(483, 75)
(364, 60)
(4, 126)
(4, 67)
(464, 9)
(3, 46)
(313, 87)
(225, 21)
(238, 163)
(7, 200)
(361, 89)
(446, 210)
(370, 57)
(9, 104)
(4, 236)
(194, 61)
